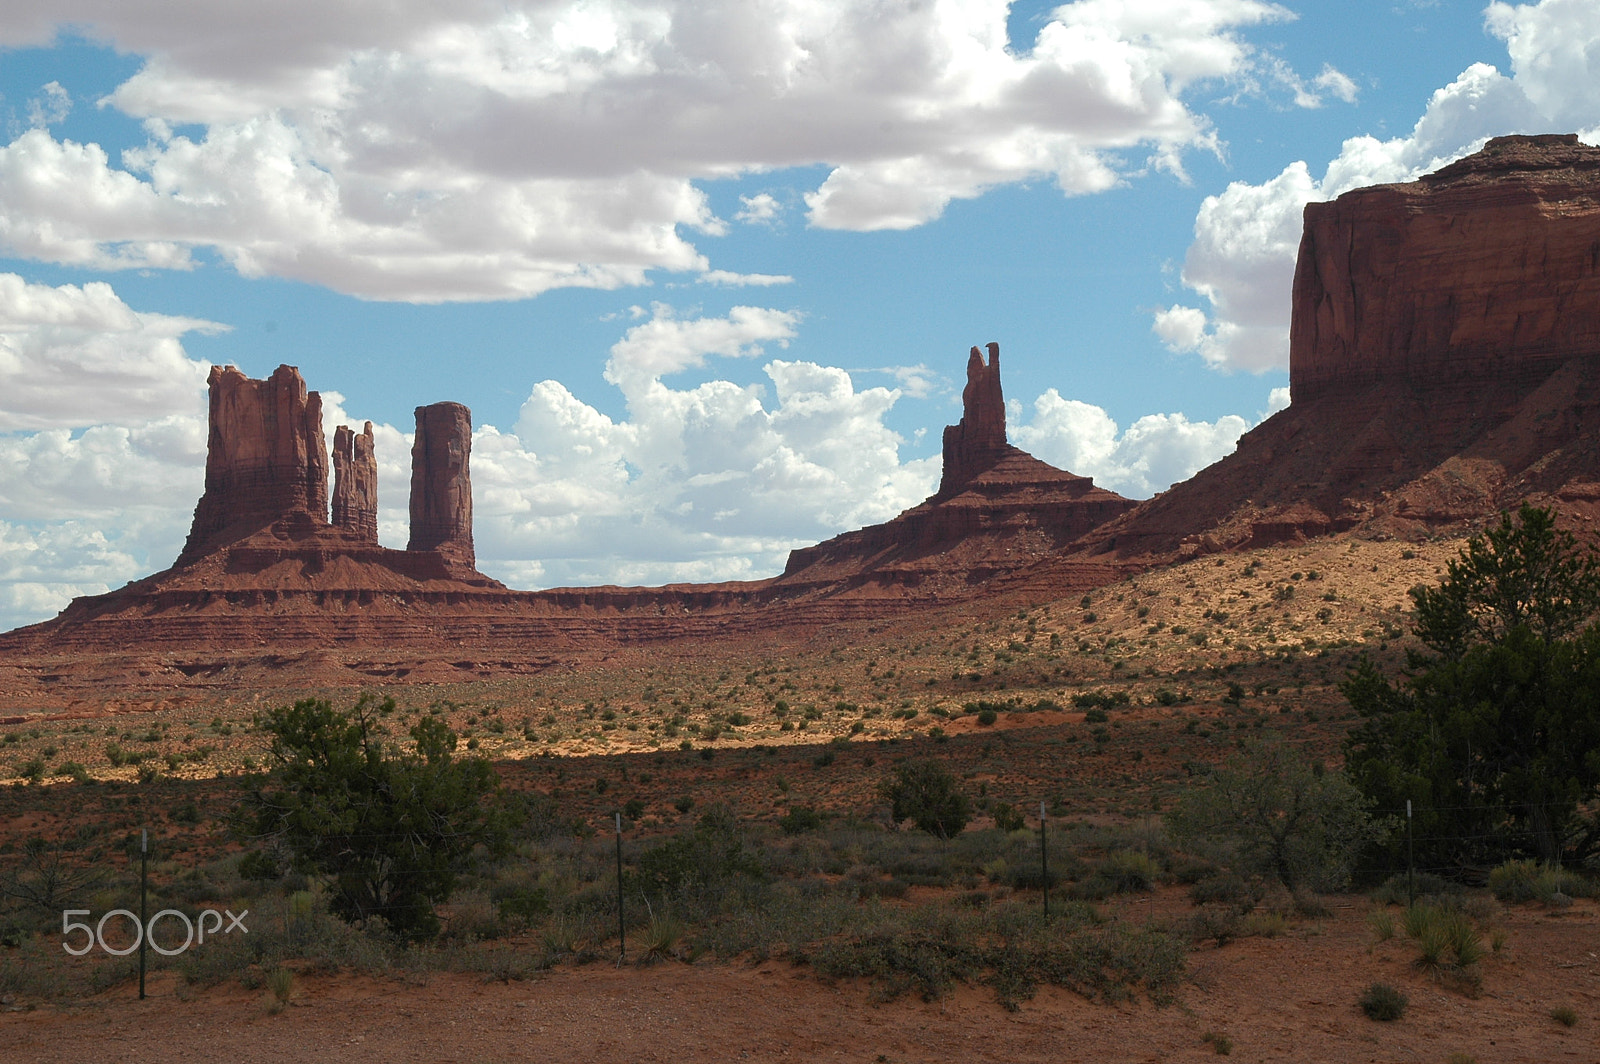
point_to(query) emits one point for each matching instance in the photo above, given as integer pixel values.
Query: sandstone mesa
(1444, 349)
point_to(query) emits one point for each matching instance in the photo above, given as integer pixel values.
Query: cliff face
(441, 482)
(265, 458)
(355, 484)
(1488, 269)
(1444, 363)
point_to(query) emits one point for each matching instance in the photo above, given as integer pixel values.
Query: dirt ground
(1291, 998)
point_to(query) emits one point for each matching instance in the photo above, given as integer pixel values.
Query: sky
(705, 272)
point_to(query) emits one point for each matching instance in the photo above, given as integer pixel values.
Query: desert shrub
(800, 819)
(1279, 816)
(1529, 880)
(712, 852)
(1445, 938)
(925, 792)
(987, 717)
(1381, 1001)
(46, 879)
(1397, 889)
(662, 937)
(1129, 871)
(1261, 924)
(1008, 817)
(392, 830)
(519, 898)
(1382, 923)
(474, 916)
(1216, 923)
(1005, 945)
(1226, 889)
(1565, 1015)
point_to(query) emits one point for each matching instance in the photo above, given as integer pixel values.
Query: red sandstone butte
(325, 603)
(355, 483)
(998, 509)
(441, 482)
(1444, 363)
(265, 458)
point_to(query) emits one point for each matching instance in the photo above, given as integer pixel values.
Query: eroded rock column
(979, 440)
(355, 483)
(441, 483)
(265, 457)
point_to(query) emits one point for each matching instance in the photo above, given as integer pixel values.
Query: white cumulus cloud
(709, 482)
(432, 151)
(1150, 455)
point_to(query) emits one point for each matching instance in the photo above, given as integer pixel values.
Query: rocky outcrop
(978, 441)
(355, 484)
(265, 458)
(998, 509)
(441, 482)
(1444, 364)
(1488, 269)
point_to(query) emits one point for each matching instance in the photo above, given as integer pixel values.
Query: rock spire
(441, 483)
(355, 483)
(979, 440)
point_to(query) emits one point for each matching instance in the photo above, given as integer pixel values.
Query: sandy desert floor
(1290, 998)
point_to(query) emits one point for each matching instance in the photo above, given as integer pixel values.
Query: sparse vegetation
(1381, 1001)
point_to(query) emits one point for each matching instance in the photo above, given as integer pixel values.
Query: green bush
(1008, 818)
(1529, 880)
(926, 793)
(1226, 889)
(800, 819)
(712, 852)
(1279, 816)
(1380, 1001)
(391, 829)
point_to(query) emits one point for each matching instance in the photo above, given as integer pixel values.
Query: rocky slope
(998, 510)
(1444, 364)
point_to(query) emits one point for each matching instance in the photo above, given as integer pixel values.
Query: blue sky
(705, 273)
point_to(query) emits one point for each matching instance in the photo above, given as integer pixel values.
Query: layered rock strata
(1444, 364)
(998, 509)
(355, 483)
(441, 483)
(265, 458)
(294, 587)
(1488, 269)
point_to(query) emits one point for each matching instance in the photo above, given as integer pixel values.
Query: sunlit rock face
(998, 510)
(441, 482)
(265, 458)
(355, 483)
(1488, 270)
(1444, 364)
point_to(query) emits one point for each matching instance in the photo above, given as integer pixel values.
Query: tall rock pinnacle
(355, 483)
(979, 440)
(441, 484)
(265, 458)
